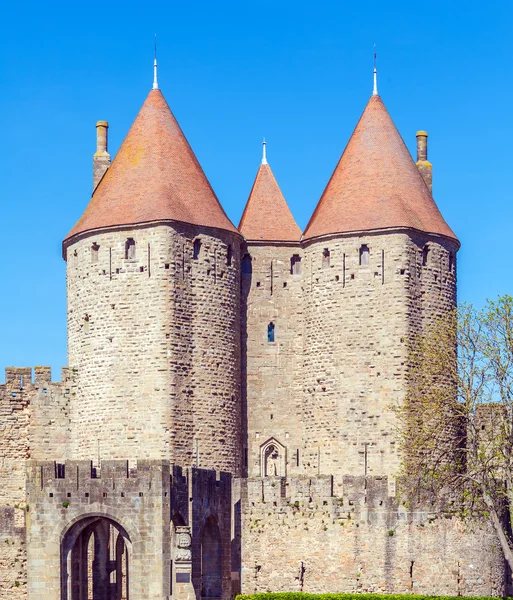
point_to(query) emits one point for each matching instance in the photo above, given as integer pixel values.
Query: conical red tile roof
(376, 184)
(267, 215)
(155, 176)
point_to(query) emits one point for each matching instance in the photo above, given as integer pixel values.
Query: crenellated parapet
(25, 386)
(80, 479)
(77, 481)
(28, 377)
(160, 510)
(313, 493)
(35, 423)
(359, 539)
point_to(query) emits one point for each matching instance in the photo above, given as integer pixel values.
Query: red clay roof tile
(376, 184)
(155, 176)
(267, 215)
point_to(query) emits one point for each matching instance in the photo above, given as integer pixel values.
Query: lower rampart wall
(297, 536)
(34, 423)
(176, 521)
(13, 555)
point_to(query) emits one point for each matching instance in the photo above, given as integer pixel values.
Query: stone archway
(211, 561)
(95, 556)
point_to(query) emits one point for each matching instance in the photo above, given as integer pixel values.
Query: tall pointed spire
(264, 153)
(375, 89)
(155, 79)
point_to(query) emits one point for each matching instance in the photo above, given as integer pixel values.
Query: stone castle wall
(358, 320)
(433, 283)
(13, 554)
(326, 387)
(299, 536)
(141, 500)
(34, 422)
(154, 339)
(271, 293)
(50, 422)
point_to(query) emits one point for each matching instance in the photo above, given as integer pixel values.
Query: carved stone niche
(273, 459)
(183, 544)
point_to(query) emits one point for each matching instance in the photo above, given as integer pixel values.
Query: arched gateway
(95, 558)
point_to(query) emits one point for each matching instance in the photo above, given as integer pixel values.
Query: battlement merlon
(74, 477)
(149, 477)
(282, 491)
(21, 377)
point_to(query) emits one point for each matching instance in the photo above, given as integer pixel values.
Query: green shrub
(305, 596)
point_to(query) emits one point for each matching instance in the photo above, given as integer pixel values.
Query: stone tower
(271, 330)
(154, 306)
(329, 316)
(380, 265)
(270, 355)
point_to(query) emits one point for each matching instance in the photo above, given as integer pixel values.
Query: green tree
(456, 423)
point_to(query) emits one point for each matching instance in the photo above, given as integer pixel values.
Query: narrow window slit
(247, 264)
(425, 253)
(364, 255)
(196, 249)
(94, 252)
(325, 258)
(295, 265)
(130, 249)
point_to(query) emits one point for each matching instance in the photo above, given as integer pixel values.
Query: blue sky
(298, 73)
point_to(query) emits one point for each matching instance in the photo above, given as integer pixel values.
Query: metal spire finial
(155, 80)
(375, 89)
(264, 154)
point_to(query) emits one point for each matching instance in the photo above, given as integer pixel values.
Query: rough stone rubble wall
(50, 424)
(272, 370)
(155, 343)
(300, 537)
(13, 555)
(359, 320)
(205, 334)
(433, 285)
(34, 422)
(356, 326)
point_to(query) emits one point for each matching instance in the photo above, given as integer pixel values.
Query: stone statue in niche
(272, 462)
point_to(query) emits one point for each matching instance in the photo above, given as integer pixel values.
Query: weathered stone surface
(140, 500)
(360, 541)
(34, 421)
(324, 389)
(154, 342)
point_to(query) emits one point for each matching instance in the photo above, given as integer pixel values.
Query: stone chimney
(101, 158)
(423, 165)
